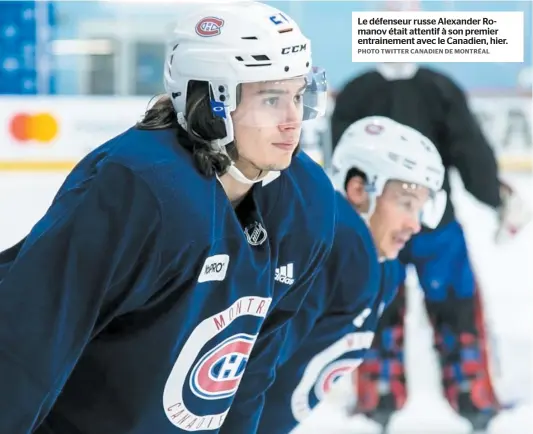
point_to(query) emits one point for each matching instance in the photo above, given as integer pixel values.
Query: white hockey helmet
(228, 44)
(386, 150)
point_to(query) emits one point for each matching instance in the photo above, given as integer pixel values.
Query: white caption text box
(414, 36)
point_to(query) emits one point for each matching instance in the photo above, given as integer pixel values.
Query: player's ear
(356, 192)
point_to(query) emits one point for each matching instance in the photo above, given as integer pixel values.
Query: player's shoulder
(304, 168)
(360, 82)
(147, 151)
(309, 181)
(427, 71)
(393, 268)
(155, 159)
(357, 91)
(158, 158)
(436, 78)
(353, 269)
(366, 75)
(309, 196)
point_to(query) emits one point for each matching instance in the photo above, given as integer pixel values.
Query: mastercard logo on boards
(38, 127)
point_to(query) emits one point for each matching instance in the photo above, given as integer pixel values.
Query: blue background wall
(327, 23)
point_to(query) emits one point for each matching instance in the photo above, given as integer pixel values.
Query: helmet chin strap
(236, 174)
(219, 145)
(374, 189)
(372, 198)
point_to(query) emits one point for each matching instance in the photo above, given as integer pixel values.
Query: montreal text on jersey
(252, 305)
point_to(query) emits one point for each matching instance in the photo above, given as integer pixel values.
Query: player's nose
(413, 224)
(292, 117)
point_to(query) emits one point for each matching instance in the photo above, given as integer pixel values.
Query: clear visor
(280, 103)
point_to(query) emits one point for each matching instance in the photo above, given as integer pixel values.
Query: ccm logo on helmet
(294, 49)
(209, 26)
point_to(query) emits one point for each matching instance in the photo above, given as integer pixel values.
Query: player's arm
(80, 265)
(467, 147)
(393, 275)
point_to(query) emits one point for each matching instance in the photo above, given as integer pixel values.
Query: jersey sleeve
(82, 264)
(467, 147)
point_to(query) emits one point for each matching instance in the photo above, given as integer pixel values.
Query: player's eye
(407, 204)
(271, 101)
(298, 98)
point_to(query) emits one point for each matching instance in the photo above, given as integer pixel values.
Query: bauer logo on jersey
(207, 372)
(214, 268)
(209, 26)
(218, 373)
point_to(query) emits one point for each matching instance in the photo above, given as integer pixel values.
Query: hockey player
(437, 107)
(134, 303)
(394, 187)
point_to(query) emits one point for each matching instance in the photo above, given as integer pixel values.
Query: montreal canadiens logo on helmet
(209, 26)
(374, 129)
(218, 373)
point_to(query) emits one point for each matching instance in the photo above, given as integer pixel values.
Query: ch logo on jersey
(325, 368)
(332, 373)
(211, 363)
(217, 375)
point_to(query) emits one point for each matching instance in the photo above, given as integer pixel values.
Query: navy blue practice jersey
(133, 305)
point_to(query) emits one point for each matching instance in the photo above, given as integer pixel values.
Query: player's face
(267, 125)
(397, 216)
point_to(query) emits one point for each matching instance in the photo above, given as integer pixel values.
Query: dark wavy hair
(202, 128)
